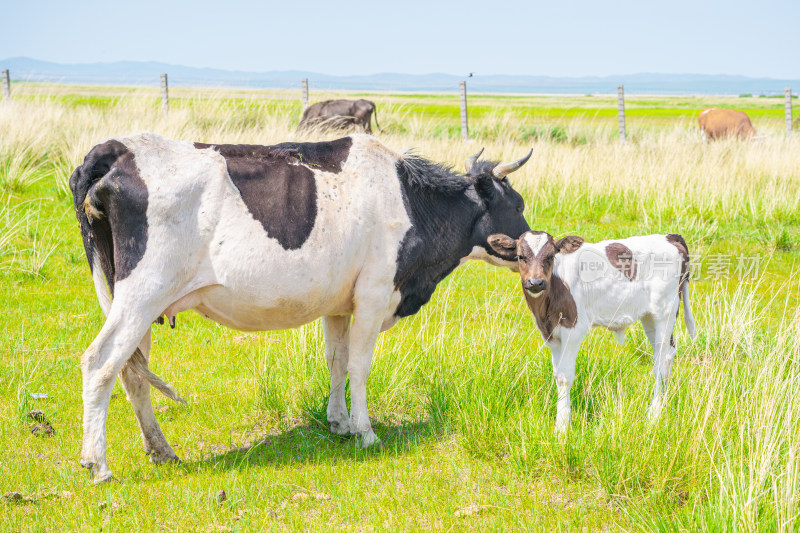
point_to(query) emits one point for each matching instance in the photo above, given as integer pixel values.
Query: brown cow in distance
(716, 123)
(339, 115)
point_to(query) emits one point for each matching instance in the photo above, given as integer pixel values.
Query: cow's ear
(569, 244)
(484, 185)
(504, 246)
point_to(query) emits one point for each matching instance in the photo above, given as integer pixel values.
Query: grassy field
(461, 394)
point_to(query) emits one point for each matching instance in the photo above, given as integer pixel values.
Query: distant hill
(147, 73)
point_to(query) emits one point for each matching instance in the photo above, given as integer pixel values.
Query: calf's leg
(659, 331)
(337, 338)
(565, 353)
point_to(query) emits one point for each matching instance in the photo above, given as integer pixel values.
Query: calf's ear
(568, 244)
(505, 246)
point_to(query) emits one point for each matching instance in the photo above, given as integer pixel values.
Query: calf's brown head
(535, 253)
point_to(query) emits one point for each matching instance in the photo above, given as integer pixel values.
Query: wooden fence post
(462, 87)
(621, 108)
(304, 94)
(788, 107)
(164, 95)
(6, 85)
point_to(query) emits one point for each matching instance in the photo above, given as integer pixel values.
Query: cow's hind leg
(100, 365)
(659, 331)
(137, 389)
(337, 337)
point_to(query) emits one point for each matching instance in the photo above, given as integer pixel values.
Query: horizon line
(473, 76)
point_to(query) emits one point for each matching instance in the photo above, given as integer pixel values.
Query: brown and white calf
(572, 286)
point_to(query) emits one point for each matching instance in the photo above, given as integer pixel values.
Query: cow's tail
(688, 319)
(375, 114)
(94, 223)
(98, 241)
(138, 364)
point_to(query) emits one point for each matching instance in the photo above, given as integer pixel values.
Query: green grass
(461, 394)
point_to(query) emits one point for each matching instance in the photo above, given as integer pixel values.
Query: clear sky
(553, 38)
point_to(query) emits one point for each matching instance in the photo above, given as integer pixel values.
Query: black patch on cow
(448, 218)
(280, 195)
(111, 206)
(440, 211)
(419, 174)
(325, 156)
(277, 183)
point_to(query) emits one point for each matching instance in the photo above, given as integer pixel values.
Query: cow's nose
(534, 285)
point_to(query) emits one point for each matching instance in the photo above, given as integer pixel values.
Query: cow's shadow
(311, 442)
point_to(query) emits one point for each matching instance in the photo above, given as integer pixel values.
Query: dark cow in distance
(717, 123)
(339, 115)
(265, 238)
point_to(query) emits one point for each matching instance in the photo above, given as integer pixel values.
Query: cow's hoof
(368, 439)
(340, 428)
(106, 477)
(100, 473)
(157, 458)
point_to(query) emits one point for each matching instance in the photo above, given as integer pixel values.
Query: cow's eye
(521, 259)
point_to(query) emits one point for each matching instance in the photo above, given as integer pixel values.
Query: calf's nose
(534, 285)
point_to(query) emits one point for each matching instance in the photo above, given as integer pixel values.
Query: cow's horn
(471, 160)
(504, 169)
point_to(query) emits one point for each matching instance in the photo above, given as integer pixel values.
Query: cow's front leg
(337, 338)
(364, 332)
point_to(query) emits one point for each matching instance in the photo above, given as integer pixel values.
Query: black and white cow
(265, 238)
